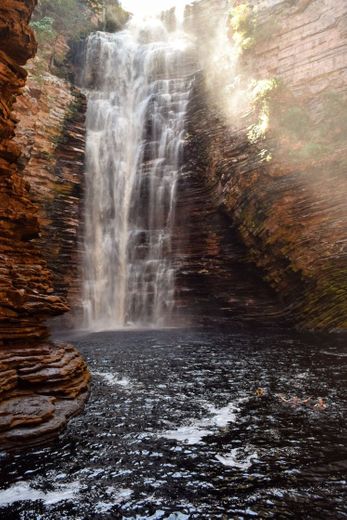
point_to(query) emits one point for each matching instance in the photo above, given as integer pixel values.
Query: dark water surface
(174, 430)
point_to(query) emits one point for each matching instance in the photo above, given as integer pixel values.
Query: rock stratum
(276, 165)
(41, 384)
(51, 134)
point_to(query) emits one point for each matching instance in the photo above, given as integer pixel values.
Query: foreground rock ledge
(41, 387)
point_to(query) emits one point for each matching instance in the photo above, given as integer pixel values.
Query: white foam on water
(103, 507)
(188, 434)
(116, 497)
(112, 379)
(178, 516)
(196, 430)
(331, 353)
(22, 491)
(236, 459)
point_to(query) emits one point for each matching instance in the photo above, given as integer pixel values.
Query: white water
(112, 379)
(196, 430)
(22, 491)
(237, 458)
(138, 93)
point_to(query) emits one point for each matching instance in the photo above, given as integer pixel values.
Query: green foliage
(312, 139)
(115, 17)
(247, 30)
(44, 29)
(96, 6)
(37, 70)
(261, 94)
(311, 150)
(301, 136)
(265, 30)
(61, 24)
(77, 18)
(242, 23)
(263, 89)
(71, 18)
(334, 113)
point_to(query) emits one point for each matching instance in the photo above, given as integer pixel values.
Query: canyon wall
(41, 383)
(215, 285)
(276, 165)
(51, 134)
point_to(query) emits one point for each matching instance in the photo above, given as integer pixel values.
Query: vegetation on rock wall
(246, 28)
(261, 92)
(61, 24)
(69, 17)
(277, 117)
(300, 135)
(76, 18)
(114, 17)
(242, 24)
(44, 29)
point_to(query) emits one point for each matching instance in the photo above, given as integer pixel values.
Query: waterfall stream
(138, 83)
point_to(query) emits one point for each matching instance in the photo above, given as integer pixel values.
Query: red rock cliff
(41, 384)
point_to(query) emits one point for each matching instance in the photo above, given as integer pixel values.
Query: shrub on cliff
(60, 24)
(242, 23)
(69, 17)
(115, 17)
(247, 29)
(44, 29)
(76, 18)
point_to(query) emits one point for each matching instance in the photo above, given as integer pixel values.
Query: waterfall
(138, 83)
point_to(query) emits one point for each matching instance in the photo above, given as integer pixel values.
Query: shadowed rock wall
(285, 192)
(41, 384)
(215, 286)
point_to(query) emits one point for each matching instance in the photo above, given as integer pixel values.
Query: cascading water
(138, 87)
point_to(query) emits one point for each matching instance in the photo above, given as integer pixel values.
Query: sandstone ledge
(41, 387)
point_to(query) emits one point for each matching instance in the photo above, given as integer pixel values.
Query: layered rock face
(41, 384)
(278, 166)
(215, 285)
(51, 133)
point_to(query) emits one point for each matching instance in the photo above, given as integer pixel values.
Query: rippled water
(174, 429)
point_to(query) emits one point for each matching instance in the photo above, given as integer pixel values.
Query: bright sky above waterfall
(150, 6)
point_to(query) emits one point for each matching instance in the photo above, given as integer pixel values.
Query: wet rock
(42, 386)
(26, 410)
